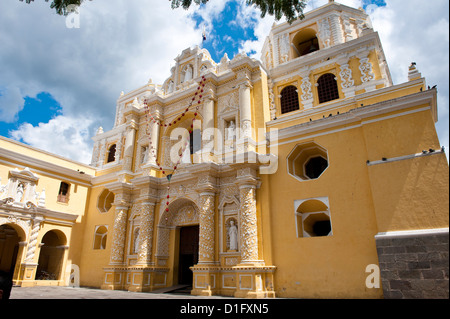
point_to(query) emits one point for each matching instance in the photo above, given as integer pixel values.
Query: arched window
(305, 42)
(101, 234)
(327, 88)
(111, 154)
(289, 99)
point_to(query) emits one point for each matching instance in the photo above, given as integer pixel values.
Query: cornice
(360, 114)
(46, 168)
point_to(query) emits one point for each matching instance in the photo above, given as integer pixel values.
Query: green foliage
(186, 3)
(291, 9)
(63, 7)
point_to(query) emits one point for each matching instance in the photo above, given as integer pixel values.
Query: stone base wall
(414, 264)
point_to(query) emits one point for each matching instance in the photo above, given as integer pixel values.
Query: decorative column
(249, 233)
(254, 279)
(146, 233)
(205, 273)
(207, 226)
(245, 109)
(208, 137)
(129, 145)
(30, 265)
(119, 235)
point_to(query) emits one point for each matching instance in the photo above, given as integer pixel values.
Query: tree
(291, 9)
(63, 7)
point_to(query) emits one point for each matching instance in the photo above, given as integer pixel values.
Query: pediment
(24, 174)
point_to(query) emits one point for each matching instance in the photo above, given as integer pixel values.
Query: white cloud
(418, 32)
(62, 135)
(11, 103)
(118, 47)
(121, 44)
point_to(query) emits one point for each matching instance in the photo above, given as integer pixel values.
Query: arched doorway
(182, 218)
(9, 248)
(51, 257)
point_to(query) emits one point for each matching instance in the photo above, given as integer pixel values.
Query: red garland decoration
(150, 118)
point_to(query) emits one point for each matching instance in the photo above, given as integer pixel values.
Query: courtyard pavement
(55, 292)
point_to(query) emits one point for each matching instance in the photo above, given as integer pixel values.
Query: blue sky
(39, 109)
(60, 82)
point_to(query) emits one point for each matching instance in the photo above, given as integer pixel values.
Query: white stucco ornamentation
(249, 236)
(366, 70)
(206, 237)
(147, 213)
(119, 234)
(346, 77)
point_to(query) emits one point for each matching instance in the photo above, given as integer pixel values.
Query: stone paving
(55, 292)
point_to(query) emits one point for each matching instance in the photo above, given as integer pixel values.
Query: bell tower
(333, 53)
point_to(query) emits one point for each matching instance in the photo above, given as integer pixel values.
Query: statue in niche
(19, 192)
(144, 158)
(188, 73)
(233, 235)
(231, 131)
(136, 241)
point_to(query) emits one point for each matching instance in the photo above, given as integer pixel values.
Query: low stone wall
(414, 264)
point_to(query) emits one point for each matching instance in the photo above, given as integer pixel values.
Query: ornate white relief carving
(366, 70)
(348, 29)
(32, 242)
(249, 237)
(325, 32)
(118, 241)
(346, 76)
(228, 103)
(206, 237)
(306, 89)
(283, 45)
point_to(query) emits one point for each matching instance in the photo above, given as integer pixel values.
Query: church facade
(307, 174)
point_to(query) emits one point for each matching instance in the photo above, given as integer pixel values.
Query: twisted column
(32, 243)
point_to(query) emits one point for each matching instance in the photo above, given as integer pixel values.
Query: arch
(51, 256)
(313, 218)
(327, 88)
(9, 248)
(304, 42)
(289, 99)
(100, 237)
(181, 212)
(111, 154)
(20, 226)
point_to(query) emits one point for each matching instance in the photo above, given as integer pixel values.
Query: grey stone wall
(414, 266)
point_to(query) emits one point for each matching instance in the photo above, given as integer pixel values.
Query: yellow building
(307, 175)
